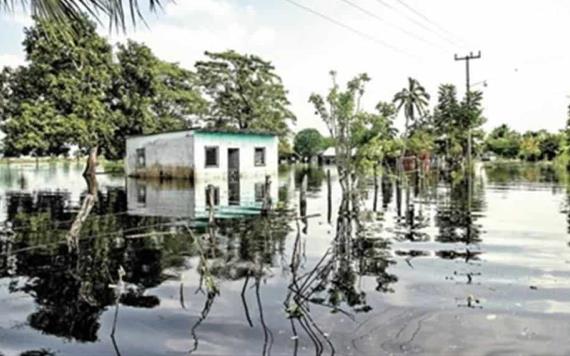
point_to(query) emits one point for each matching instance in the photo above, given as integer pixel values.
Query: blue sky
(523, 42)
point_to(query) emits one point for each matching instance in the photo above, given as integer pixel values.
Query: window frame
(264, 156)
(217, 149)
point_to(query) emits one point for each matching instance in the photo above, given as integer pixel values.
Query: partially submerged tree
(339, 110)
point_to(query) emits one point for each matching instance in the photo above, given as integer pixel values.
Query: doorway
(233, 176)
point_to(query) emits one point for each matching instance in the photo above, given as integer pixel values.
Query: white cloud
(11, 60)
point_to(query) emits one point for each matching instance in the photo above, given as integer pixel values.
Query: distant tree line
(82, 92)
(530, 146)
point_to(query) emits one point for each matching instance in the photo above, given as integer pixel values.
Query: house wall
(246, 144)
(166, 155)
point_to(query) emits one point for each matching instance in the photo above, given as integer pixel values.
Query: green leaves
(308, 143)
(244, 92)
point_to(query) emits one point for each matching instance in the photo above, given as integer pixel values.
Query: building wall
(167, 155)
(246, 143)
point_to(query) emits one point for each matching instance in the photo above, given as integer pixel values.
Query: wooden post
(210, 203)
(267, 196)
(329, 196)
(303, 203)
(375, 206)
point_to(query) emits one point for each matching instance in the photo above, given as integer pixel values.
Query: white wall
(246, 143)
(168, 151)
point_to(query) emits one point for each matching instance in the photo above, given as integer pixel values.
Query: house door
(233, 176)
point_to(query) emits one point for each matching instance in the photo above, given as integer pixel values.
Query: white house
(202, 154)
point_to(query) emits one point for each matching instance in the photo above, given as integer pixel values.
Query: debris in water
(533, 287)
(491, 317)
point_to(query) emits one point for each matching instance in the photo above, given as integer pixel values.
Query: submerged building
(202, 154)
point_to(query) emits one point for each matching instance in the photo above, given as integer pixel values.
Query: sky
(523, 44)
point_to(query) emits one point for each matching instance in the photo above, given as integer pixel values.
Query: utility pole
(468, 58)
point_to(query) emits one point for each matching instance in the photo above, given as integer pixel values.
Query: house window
(259, 192)
(216, 195)
(259, 157)
(141, 159)
(212, 157)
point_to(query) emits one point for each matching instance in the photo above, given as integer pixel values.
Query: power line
(378, 18)
(427, 19)
(351, 29)
(416, 22)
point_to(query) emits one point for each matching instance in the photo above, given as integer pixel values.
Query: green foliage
(244, 92)
(74, 94)
(62, 93)
(308, 143)
(532, 145)
(413, 100)
(150, 96)
(451, 121)
(530, 148)
(362, 139)
(504, 142)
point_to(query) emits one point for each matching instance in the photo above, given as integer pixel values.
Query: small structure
(328, 156)
(202, 154)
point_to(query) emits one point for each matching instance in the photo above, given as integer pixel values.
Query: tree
(503, 141)
(413, 99)
(339, 111)
(150, 95)
(308, 143)
(70, 81)
(244, 92)
(530, 148)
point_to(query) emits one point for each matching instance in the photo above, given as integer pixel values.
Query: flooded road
(474, 267)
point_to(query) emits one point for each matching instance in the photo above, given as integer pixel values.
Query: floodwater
(479, 267)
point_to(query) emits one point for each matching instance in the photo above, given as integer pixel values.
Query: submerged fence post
(375, 207)
(303, 203)
(329, 197)
(266, 207)
(210, 203)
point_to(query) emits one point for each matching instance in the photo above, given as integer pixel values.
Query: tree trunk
(91, 162)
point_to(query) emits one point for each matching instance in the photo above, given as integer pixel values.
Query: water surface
(473, 267)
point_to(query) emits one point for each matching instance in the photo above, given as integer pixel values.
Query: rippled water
(478, 267)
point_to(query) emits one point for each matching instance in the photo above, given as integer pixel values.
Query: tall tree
(244, 93)
(340, 110)
(413, 100)
(69, 83)
(150, 95)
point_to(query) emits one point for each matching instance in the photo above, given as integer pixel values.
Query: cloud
(11, 60)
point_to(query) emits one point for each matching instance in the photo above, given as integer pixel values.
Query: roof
(329, 152)
(210, 130)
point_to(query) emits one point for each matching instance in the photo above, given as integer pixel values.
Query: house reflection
(187, 199)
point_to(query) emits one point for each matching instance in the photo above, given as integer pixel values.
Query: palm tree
(116, 12)
(413, 99)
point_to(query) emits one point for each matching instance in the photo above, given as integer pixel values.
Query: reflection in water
(153, 265)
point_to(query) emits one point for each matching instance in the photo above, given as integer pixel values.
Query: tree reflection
(334, 282)
(71, 287)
